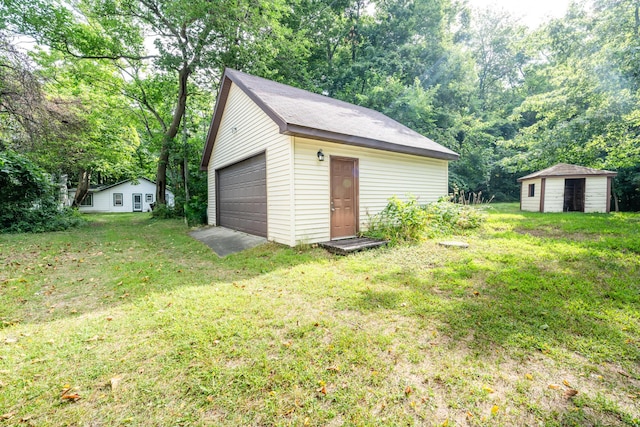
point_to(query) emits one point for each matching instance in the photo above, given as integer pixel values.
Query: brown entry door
(344, 197)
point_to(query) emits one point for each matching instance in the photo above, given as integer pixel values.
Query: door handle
(333, 209)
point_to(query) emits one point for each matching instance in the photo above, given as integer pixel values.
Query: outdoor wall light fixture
(320, 155)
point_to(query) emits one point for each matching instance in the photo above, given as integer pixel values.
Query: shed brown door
(242, 196)
(574, 195)
(344, 197)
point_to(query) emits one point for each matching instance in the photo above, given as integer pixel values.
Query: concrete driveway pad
(225, 241)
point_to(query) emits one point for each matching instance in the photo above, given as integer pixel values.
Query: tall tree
(190, 37)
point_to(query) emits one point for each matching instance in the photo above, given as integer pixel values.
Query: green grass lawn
(129, 321)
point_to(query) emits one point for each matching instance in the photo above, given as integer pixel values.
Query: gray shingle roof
(564, 169)
(302, 113)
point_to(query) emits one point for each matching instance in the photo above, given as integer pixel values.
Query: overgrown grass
(149, 327)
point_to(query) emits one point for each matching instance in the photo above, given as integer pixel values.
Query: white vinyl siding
(530, 204)
(245, 130)
(596, 194)
(382, 174)
(554, 195)
(104, 201)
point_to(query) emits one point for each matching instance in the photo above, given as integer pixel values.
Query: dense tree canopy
(125, 86)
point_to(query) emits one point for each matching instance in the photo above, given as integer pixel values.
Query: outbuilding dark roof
(564, 169)
(302, 113)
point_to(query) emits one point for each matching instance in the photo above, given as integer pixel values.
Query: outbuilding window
(532, 190)
(88, 200)
(117, 199)
(148, 198)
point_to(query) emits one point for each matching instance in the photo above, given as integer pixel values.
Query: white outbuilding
(566, 188)
(299, 167)
(132, 195)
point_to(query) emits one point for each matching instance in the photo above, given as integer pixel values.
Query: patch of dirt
(554, 233)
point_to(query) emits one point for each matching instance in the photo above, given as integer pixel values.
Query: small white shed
(125, 196)
(566, 188)
(298, 167)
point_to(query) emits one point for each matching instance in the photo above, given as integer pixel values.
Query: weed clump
(408, 221)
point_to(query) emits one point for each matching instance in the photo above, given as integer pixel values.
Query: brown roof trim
(358, 141)
(593, 175)
(564, 170)
(221, 101)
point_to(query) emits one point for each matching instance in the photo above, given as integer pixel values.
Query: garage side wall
(554, 195)
(530, 203)
(382, 174)
(245, 130)
(596, 194)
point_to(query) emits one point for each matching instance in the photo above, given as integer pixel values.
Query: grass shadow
(117, 258)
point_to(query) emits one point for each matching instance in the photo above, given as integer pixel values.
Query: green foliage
(399, 221)
(196, 210)
(408, 221)
(446, 217)
(29, 200)
(165, 212)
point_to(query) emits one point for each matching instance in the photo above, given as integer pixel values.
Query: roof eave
(324, 135)
(576, 176)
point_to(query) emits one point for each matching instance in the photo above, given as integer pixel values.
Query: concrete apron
(224, 241)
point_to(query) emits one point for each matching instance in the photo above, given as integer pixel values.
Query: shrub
(399, 221)
(446, 217)
(402, 221)
(164, 212)
(196, 211)
(29, 201)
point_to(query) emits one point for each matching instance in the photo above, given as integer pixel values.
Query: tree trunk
(82, 189)
(172, 131)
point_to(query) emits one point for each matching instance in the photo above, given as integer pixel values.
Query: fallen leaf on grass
(70, 397)
(408, 390)
(528, 376)
(109, 318)
(487, 389)
(565, 382)
(333, 368)
(570, 393)
(7, 416)
(445, 423)
(554, 386)
(495, 409)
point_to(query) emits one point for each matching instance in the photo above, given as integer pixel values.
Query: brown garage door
(242, 196)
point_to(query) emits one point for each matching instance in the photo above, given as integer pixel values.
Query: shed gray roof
(566, 170)
(302, 113)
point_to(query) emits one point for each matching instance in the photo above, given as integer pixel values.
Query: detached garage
(298, 167)
(566, 188)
